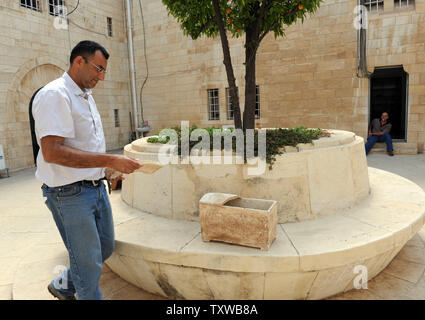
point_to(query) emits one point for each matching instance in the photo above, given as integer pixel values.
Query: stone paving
(31, 248)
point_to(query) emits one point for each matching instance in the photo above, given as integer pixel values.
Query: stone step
(399, 148)
(312, 259)
(396, 151)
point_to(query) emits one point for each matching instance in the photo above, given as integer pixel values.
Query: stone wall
(307, 78)
(33, 52)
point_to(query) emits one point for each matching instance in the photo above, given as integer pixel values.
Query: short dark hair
(389, 118)
(86, 49)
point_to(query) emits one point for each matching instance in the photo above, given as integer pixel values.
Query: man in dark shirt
(379, 131)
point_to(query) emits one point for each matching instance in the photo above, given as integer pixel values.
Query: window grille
(57, 8)
(374, 5)
(213, 105)
(109, 24)
(116, 118)
(31, 4)
(404, 4)
(257, 102)
(230, 109)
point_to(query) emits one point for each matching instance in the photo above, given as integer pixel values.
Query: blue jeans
(83, 216)
(374, 139)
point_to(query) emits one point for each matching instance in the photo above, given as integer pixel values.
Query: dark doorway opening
(388, 93)
(35, 146)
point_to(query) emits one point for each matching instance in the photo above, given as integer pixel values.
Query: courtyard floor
(31, 251)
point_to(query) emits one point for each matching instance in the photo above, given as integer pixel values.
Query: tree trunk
(250, 81)
(229, 67)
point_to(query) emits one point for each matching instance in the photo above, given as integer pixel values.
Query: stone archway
(30, 77)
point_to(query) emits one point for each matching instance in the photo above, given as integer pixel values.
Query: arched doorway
(19, 143)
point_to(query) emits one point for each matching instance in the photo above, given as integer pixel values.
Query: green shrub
(276, 139)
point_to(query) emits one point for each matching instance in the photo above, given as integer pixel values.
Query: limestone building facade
(308, 78)
(34, 51)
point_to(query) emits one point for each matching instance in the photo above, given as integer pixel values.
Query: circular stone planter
(316, 254)
(308, 181)
(311, 259)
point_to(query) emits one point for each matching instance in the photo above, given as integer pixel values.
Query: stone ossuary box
(243, 221)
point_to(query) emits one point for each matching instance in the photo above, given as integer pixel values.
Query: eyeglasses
(98, 68)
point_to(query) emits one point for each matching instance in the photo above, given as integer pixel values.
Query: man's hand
(370, 133)
(124, 164)
(113, 176)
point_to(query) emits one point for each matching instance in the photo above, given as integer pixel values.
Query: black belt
(94, 183)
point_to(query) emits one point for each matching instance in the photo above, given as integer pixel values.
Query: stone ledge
(141, 148)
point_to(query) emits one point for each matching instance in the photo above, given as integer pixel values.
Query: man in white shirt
(71, 164)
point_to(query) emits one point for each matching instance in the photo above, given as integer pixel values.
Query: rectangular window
(57, 8)
(257, 102)
(374, 5)
(109, 23)
(116, 118)
(31, 4)
(404, 4)
(230, 110)
(213, 105)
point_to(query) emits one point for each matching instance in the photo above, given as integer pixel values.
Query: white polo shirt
(62, 109)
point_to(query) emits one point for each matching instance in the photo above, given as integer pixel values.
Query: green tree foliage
(252, 18)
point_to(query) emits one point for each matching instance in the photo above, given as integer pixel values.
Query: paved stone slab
(406, 270)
